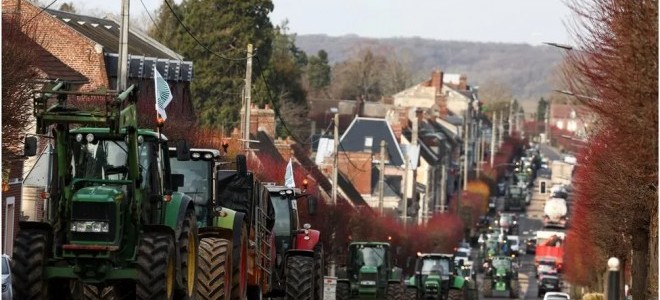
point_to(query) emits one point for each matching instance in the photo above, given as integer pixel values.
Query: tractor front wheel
(456, 294)
(188, 244)
(28, 262)
(411, 293)
(156, 267)
(394, 291)
(343, 291)
(212, 281)
(487, 288)
(299, 278)
(320, 271)
(515, 289)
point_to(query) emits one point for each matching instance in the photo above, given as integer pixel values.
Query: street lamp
(559, 45)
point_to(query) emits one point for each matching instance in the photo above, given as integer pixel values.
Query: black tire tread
(456, 294)
(29, 256)
(153, 254)
(299, 278)
(189, 223)
(319, 267)
(343, 291)
(487, 288)
(213, 259)
(394, 291)
(91, 292)
(236, 293)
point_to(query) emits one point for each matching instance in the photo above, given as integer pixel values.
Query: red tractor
(285, 258)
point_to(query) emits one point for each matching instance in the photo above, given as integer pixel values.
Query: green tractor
(114, 224)
(369, 273)
(436, 277)
(468, 272)
(500, 278)
(515, 199)
(222, 231)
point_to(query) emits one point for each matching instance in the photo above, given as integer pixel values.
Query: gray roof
(143, 51)
(378, 130)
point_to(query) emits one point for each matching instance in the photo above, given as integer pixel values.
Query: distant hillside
(526, 68)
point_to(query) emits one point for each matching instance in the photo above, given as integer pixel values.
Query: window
(368, 143)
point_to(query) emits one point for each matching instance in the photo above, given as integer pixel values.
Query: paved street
(529, 223)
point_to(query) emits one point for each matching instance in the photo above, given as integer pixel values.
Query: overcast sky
(516, 21)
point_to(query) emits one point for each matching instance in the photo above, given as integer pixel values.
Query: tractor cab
(436, 276)
(369, 272)
(197, 169)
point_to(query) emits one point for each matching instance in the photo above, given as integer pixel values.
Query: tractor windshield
(283, 225)
(100, 159)
(196, 177)
(435, 266)
(501, 263)
(370, 256)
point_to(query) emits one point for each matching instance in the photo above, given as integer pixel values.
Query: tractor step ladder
(263, 247)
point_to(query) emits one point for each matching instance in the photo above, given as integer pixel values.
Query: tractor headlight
(90, 226)
(195, 155)
(208, 156)
(367, 282)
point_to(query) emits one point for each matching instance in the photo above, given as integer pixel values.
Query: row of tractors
(129, 217)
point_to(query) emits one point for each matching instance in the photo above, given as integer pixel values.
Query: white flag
(288, 177)
(163, 94)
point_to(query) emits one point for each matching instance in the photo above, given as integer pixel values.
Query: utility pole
(501, 130)
(510, 118)
(248, 96)
(381, 177)
(547, 123)
(415, 135)
(443, 185)
(123, 47)
(405, 187)
(492, 140)
(465, 152)
(335, 163)
(479, 149)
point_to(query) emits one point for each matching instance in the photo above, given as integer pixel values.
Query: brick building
(83, 52)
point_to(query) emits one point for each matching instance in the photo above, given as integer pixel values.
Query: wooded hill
(524, 68)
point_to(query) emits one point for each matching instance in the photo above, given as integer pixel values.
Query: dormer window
(368, 143)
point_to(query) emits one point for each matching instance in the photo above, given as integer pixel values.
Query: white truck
(562, 172)
(555, 213)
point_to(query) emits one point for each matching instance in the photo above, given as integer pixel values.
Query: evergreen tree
(220, 31)
(68, 7)
(541, 109)
(318, 72)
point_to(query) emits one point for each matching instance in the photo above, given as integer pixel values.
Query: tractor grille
(95, 211)
(368, 276)
(4, 287)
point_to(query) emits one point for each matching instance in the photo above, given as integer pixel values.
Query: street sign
(329, 288)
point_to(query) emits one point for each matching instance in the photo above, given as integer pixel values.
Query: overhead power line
(197, 40)
(42, 10)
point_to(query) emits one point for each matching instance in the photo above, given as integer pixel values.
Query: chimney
(436, 79)
(462, 83)
(262, 120)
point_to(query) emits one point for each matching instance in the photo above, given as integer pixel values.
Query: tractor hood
(500, 271)
(99, 194)
(368, 270)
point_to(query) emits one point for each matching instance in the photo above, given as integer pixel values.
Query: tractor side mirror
(30, 146)
(177, 181)
(312, 203)
(182, 151)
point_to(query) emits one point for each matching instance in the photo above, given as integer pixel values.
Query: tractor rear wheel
(299, 278)
(456, 294)
(188, 246)
(411, 293)
(239, 267)
(28, 262)
(91, 292)
(214, 257)
(487, 288)
(319, 267)
(394, 291)
(515, 289)
(343, 291)
(156, 265)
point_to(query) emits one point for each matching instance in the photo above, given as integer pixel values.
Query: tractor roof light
(208, 156)
(289, 192)
(195, 155)
(89, 137)
(79, 137)
(140, 139)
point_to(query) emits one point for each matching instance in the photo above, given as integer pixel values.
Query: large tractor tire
(300, 278)
(394, 291)
(188, 246)
(456, 294)
(515, 289)
(213, 279)
(91, 292)
(156, 263)
(487, 288)
(343, 291)
(239, 267)
(319, 268)
(28, 261)
(411, 293)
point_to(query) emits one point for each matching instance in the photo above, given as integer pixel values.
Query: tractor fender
(307, 239)
(35, 225)
(458, 282)
(175, 211)
(342, 274)
(161, 229)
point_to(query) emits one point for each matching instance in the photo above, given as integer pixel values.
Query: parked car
(530, 246)
(7, 293)
(547, 284)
